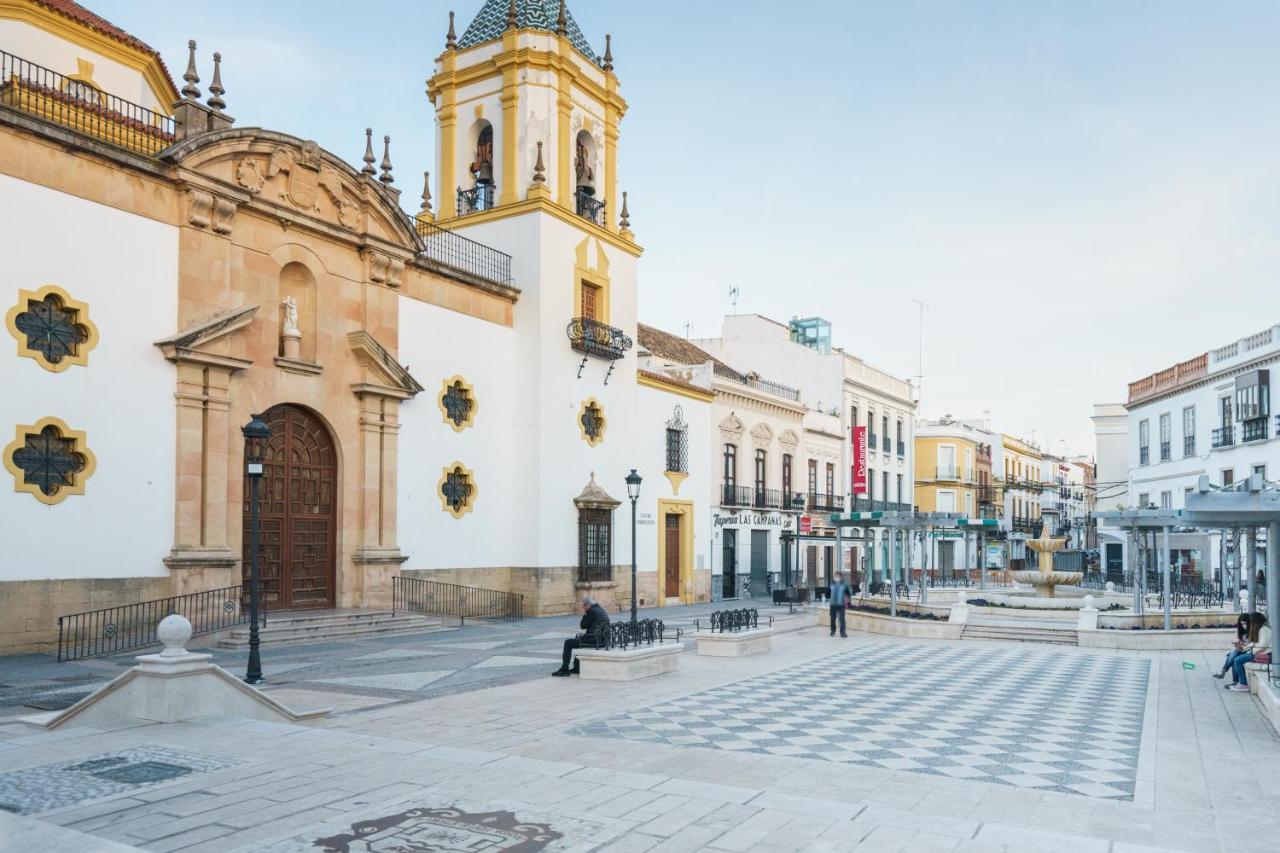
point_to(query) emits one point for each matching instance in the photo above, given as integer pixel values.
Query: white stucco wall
(126, 269)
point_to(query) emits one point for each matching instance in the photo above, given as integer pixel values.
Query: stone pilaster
(377, 557)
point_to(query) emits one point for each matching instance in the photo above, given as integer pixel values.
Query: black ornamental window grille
(457, 490)
(595, 544)
(678, 443)
(52, 329)
(592, 421)
(49, 461)
(457, 404)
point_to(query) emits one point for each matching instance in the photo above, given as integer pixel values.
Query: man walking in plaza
(841, 595)
(594, 625)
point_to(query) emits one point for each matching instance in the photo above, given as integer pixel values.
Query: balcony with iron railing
(462, 253)
(731, 495)
(902, 449)
(81, 107)
(1223, 436)
(1188, 445)
(1144, 455)
(479, 198)
(873, 441)
(1254, 429)
(753, 380)
(767, 499)
(593, 338)
(589, 207)
(818, 502)
(1166, 451)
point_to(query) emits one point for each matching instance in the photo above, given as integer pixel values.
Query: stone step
(1056, 636)
(285, 629)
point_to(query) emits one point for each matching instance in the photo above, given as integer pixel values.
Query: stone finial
(368, 154)
(539, 169)
(451, 40)
(511, 16)
(562, 22)
(215, 88)
(191, 90)
(608, 52)
(624, 221)
(426, 193)
(385, 177)
(174, 630)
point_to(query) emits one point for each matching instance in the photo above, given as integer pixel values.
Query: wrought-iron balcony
(863, 504)
(1188, 445)
(1222, 437)
(481, 197)
(731, 495)
(1166, 451)
(872, 441)
(462, 253)
(818, 502)
(950, 473)
(589, 207)
(1254, 429)
(902, 449)
(887, 446)
(767, 499)
(1144, 455)
(591, 337)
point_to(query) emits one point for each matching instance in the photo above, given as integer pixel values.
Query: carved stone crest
(441, 831)
(303, 185)
(249, 175)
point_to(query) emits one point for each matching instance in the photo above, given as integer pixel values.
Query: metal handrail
(112, 630)
(464, 254)
(434, 598)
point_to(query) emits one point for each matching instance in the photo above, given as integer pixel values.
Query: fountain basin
(1044, 582)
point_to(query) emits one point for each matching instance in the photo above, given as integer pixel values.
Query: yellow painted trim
(82, 317)
(447, 117)
(144, 63)
(542, 205)
(604, 422)
(676, 479)
(684, 509)
(444, 477)
(524, 57)
(78, 443)
(597, 276)
(471, 395)
(510, 100)
(705, 397)
(564, 155)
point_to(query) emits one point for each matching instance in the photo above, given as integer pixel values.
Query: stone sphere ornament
(1090, 602)
(174, 630)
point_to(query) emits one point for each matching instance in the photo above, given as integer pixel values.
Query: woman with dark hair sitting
(1259, 650)
(1238, 645)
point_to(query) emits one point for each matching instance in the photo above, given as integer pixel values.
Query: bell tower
(527, 112)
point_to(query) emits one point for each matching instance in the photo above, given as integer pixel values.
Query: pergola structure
(1247, 505)
(904, 523)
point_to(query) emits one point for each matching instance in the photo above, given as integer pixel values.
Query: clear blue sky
(1082, 192)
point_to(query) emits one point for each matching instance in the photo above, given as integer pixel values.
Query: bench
(734, 633)
(629, 664)
(1255, 671)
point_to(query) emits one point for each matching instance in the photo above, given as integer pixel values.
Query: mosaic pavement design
(53, 786)
(441, 831)
(1031, 718)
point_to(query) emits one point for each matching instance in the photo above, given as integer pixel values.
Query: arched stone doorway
(298, 513)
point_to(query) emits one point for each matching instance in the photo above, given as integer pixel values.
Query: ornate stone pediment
(731, 428)
(296, 178)
(788, 441)
(761, 435)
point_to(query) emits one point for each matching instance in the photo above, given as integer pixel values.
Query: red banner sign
(859, 460)
(806, 524)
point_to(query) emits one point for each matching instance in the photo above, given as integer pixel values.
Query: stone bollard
(1111, 586)
(174, 630)
(1087, 619)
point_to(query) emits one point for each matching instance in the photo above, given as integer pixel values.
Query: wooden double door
(297, 508)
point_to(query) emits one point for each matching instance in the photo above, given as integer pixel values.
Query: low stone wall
(29, 610)
(874, 623)
(1188, 619)
(734, 644)
(629, 664)
(1157, 640)
(1267, 692)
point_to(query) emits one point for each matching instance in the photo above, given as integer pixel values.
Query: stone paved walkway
(506, 764)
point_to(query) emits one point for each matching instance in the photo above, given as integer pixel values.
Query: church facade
(452, 394)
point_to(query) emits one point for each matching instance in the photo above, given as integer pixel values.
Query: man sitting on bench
(594, 625)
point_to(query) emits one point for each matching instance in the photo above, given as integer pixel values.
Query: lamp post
(256, 434)
(797, 504)
(633, 492)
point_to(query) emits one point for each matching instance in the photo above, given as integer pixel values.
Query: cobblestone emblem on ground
(1033, 719)
(441, 831)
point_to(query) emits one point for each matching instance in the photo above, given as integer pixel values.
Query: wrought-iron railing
(80, 106)
(818, 502)
(592, 337)
(133, 626)
(462, 253)
(887, 444)
(1222, 437)
(590, 208)
(902, 448)
(872, 441)
(475, 200)
(433, 598)
(1166, 451)
(643, 632)
(767, 499)
(1254, 429)
(744, 619)
(1188, 445)
(1191, 595)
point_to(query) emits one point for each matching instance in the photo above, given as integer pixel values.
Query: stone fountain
(1045, 579)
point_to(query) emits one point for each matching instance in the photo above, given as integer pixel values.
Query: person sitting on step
(594, 625)
(1259, 650)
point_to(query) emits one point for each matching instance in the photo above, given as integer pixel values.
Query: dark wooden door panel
(673, 555)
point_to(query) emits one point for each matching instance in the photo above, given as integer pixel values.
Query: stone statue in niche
(290, 336)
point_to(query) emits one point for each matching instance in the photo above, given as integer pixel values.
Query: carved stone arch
(761, 435)
(731, 428)
(283, 173)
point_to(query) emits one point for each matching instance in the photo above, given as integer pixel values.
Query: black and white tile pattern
(1038, 719)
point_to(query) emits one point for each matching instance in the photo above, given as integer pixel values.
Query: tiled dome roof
(491, 21)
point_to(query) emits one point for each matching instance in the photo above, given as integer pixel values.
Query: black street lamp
(797, 504)
(633, 492)
(256, 434)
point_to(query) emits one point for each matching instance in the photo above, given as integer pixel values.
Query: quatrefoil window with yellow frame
(457, 490)
(49, 460)
(457, 403)
(591, 421)
(52, 328)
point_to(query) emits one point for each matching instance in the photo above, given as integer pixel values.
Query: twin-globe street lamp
(256, 434)
(633, 492)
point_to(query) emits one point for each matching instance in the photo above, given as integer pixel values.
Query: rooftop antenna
(686, 331)
(734, 293)
(920, 355)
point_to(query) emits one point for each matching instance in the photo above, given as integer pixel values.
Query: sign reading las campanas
(753, 519)
(859, 460)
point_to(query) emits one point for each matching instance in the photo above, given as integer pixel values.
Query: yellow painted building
(1021, 480)
(946, 460)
